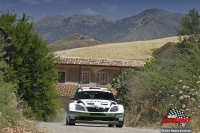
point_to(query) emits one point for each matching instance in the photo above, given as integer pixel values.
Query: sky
(113, 9)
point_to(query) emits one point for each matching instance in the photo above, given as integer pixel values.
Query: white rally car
(95, 105)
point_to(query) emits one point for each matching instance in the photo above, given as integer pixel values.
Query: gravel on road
(58, 127)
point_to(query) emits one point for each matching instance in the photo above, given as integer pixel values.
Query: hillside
(136, 50)
(147, 25)
(73, 41)
(82, 24)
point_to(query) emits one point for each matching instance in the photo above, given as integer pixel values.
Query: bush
(120, 84)
(8, 111)
(155, 89)
(34, 67)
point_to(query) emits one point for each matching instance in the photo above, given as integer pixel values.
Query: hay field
(137, 50)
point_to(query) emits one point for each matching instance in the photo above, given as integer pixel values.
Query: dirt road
(60, 127)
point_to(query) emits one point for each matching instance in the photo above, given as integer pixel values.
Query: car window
(94, 95)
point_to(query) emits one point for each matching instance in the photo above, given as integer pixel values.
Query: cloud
(88, 11)
(56, 1)
(69, 12)
(8, 3)
(109, 7)
(30, 2)
(33, 2)
(48, 1)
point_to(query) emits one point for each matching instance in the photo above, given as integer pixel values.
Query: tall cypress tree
(34, 67)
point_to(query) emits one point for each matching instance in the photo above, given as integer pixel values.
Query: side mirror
(118, 101)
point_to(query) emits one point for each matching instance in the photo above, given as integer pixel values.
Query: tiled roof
(70, 89)
(67, 89)
(100, 62)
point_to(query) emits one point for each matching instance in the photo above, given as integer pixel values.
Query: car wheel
(69, 121)
(109, 125)
(120, 126)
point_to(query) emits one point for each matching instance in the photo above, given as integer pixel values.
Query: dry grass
(137, 50)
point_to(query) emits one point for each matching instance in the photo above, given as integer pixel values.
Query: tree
(120, 84)
(34, 66)
(8, 111)
(190, 24)
(190, 44)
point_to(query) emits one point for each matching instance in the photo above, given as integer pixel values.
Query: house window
(85, 78)
(61, 78)
(103, 79)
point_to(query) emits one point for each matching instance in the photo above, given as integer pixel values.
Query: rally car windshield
(94, 95)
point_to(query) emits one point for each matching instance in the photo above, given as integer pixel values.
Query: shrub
(8, 111)
(120, 84)
(34, 67)
(155, 89)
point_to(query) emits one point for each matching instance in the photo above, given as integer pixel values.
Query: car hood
(97, 103)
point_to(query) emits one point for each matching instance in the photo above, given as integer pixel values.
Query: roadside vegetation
(28, 79)
(8, 113)
(171, 83)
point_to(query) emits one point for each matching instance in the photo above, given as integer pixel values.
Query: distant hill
(82, 24)
(73, 41)
(147, 25)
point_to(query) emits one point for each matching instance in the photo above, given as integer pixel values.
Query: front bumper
(97, 117)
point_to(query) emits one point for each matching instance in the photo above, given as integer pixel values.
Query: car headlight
(114, 109)
(80, 108)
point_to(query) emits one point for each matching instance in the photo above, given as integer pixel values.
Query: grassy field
(137, 50)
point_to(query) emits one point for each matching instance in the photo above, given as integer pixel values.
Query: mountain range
(147, 25)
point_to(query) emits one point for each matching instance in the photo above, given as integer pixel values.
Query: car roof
(94, 89)
(101, 88)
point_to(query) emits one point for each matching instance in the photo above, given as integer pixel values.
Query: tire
(120, 126)
(69, 121)
(66, 121)
(109, 125)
